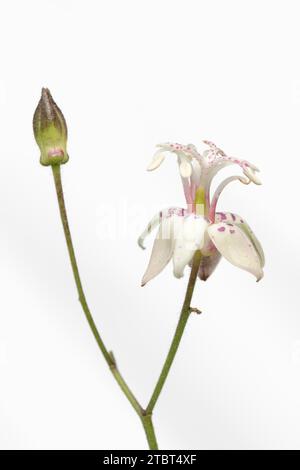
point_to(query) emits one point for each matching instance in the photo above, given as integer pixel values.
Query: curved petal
(242, 224)
(251, 173)
(247, 230)
(151, 226)
(155, 221)
(216, 159)
(188, 238)
(162, 250)
(233, 243)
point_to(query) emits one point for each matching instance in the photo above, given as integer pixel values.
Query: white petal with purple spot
(236, 247)
(236, 219)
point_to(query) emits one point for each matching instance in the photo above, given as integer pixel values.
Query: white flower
(199, 227)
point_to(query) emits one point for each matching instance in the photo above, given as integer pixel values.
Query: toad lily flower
(183, 231)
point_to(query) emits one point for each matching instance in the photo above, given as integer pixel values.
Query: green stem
(185, 313)
(149, 430)
(108, 356)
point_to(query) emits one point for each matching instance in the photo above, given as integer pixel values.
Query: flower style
(182, 231)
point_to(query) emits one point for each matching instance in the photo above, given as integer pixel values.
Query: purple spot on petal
(233, 216)
(242, 221)
(221, 229)
(222, 215)
(232, 231)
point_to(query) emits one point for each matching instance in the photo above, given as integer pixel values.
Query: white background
(128, 75)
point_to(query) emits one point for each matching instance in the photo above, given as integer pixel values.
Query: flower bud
(50, 131)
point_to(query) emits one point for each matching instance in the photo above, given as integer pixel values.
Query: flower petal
(242, 224)
(156, 220)
(157, 160)
(216, 159)
(233, 243)
(151, 226)
(188, 238)
(162, 249)
(247, 230)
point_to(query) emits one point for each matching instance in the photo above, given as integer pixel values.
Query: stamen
(187, 191)
(156, 161)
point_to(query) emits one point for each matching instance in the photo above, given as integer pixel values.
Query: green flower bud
(50, 131)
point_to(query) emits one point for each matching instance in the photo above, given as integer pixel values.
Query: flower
(181, 231)
(50, 131)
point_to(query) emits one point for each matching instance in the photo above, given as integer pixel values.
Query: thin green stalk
(149, 430)
(108, 356)
(185, 313)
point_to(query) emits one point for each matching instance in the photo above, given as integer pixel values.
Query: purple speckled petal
(236, 220)
(236, 247)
